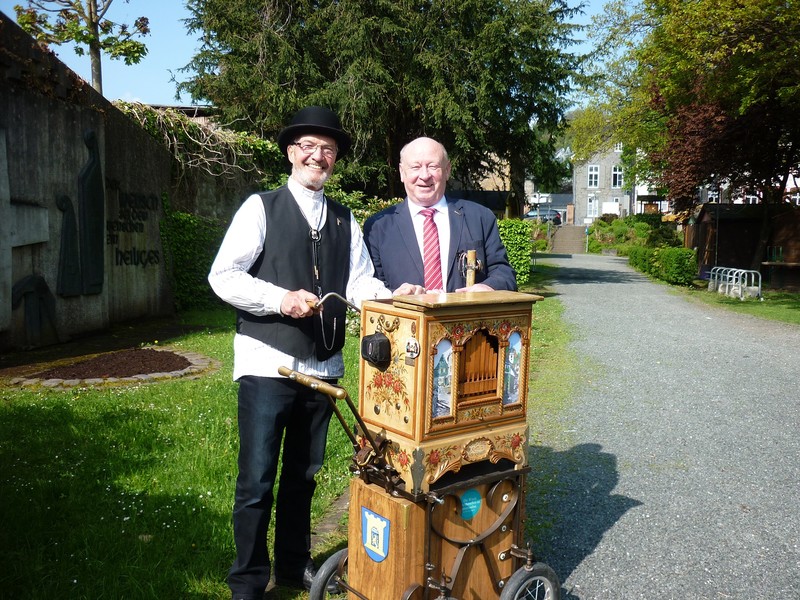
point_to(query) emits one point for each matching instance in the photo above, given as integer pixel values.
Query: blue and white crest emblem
(375, 534)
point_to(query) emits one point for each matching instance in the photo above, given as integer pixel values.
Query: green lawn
(775, 305)
(125, 492)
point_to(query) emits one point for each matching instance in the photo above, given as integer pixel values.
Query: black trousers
(271, 411)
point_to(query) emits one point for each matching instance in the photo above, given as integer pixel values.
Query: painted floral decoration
(505, 328)
(388, 389)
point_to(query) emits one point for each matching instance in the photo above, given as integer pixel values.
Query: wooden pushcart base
(393, 555)
(396, 545)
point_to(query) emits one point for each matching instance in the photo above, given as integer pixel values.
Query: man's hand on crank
(299, 304)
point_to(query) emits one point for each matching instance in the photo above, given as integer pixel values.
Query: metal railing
(737, 283)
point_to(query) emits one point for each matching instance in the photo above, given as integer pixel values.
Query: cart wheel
(540, 583)
(324, 585)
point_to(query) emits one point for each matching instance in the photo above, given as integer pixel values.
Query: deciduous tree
(712, 93)
(83, 22)
(738, 57)
(720, 81)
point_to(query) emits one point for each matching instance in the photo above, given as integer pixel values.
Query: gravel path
(678, 474)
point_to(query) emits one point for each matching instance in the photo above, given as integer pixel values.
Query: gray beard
(307, 182)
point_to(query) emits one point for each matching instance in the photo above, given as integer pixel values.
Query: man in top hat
(283, 251)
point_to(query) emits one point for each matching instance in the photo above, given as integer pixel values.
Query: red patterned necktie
(430, 255)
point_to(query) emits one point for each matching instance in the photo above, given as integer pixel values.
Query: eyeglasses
(308, 149)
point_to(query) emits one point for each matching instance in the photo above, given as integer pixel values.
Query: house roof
(732, 212)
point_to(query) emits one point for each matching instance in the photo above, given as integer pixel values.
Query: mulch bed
(123, 363)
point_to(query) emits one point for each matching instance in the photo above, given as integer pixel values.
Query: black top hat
(315, 119)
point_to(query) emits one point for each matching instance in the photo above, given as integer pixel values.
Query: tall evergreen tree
(488, 78)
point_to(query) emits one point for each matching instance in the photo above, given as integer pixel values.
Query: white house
(599, 187)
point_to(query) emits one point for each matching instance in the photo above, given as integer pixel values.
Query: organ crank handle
(317, 303)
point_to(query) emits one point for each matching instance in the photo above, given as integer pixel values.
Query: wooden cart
(437, 501)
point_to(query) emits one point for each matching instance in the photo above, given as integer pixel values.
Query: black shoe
(301, 583)
(305, 581)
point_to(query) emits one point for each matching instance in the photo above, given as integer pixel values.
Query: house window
(616, 177)
(594, 176)
(618, 147)
(591, 206)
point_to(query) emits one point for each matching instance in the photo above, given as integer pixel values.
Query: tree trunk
(770, 197)
(97, 72)
(94, 46)
(763, 238)
(517, 197)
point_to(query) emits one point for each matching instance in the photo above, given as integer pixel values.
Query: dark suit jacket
(391, 242)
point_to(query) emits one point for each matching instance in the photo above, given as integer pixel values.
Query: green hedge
(190, 245)
(517, 236)
(641, 258)
(677, 266)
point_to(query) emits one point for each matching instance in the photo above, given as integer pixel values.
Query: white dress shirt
(230, 280)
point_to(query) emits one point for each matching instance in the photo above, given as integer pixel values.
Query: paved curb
(331, 524)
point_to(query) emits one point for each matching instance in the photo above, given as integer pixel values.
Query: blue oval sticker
(470, 504)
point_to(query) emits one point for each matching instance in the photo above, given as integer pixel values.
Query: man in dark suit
(395, 236)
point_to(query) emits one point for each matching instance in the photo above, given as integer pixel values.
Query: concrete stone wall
(82, 191)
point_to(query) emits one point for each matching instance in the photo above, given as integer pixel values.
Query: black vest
(287, 260)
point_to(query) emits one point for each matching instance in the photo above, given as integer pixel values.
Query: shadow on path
(566, 275)
(571, 504)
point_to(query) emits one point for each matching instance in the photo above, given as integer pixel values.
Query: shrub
(641, 230)
(542, 235)
(641, 258)
(608, 218)
(517, 237)
(677, 266)
(652, 219)
(190, 244)
(218, 151)
(601, 235)
(595, 246)
(600, 224)
(620, 230)
(663, 235)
